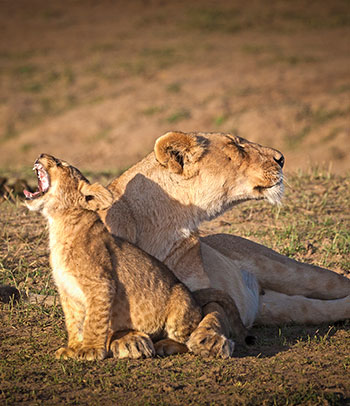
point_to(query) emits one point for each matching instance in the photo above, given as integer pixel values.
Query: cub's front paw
(208, 343)
(65, 353)
(91, 353)
(133, 345)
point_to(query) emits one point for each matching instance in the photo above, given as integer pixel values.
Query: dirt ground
(288, 365)
(96, 82)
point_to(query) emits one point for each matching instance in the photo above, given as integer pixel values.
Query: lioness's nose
(279, 158)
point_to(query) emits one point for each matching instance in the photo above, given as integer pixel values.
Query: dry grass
(294, 365)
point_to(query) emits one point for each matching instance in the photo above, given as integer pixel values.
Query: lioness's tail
(208, 295)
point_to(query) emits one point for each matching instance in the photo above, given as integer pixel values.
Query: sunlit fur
(160, 202)
(115, 296)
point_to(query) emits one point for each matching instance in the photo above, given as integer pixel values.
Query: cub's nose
(279, 158)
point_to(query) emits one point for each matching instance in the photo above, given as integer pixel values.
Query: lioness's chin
(274, 194)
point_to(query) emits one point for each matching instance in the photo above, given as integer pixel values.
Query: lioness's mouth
(43, 183)
(272, 193)
(262, 189)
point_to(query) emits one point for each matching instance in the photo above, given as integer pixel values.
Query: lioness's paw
(210, 344)
(65, 353)
(133, 346)
(91, 353)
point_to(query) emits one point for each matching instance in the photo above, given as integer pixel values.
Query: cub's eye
(229, 158)
(58, 163)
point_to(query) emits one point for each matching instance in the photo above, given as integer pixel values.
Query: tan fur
(190, 177)
(114, 295)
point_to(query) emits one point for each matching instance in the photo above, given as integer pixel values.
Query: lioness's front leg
(210, 337)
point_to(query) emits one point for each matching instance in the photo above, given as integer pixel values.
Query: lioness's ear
(175, 150)
(95, 197)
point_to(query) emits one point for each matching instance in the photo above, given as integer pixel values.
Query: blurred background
(96, 82)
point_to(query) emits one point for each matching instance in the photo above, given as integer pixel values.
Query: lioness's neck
(154, 205)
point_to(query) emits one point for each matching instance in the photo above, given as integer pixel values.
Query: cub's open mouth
(43, 182)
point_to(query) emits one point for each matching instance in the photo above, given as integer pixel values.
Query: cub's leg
(183, 314)
(74, 318)
(277, 272)
(277, 308)
(131, 344)
(99, 297)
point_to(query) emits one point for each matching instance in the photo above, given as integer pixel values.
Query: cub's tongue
(30, 195)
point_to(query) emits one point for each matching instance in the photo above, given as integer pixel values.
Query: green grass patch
(216, 19)
(152, 110)
(26, 70)
(179, 115)
(174, 87)
(310, 119)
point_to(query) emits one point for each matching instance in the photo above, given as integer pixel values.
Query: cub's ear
(177, 151)
(95, 197)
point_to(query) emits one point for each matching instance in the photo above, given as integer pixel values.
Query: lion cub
(116, 297)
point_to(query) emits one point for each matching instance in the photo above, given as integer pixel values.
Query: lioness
(191, 177)
(108, 287)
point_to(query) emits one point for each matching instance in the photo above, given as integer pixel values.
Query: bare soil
(288, 365)
(97, 82)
